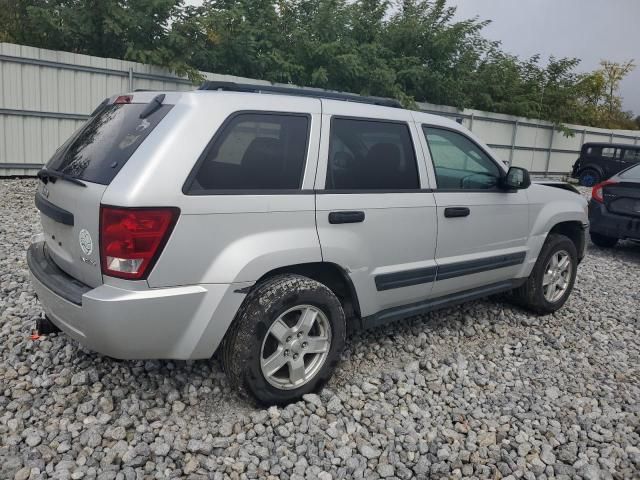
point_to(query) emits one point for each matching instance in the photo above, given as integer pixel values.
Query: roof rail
(300, 92)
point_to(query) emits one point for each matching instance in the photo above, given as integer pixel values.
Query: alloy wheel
(295, 347)
(557, 276)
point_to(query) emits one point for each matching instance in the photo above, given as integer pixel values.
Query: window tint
(459, 163)
(101, 147)
(256, 151)
(371, 155)
(631, 155)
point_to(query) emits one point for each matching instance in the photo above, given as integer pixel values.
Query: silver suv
(264, 222)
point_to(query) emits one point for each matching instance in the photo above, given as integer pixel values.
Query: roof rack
(300, 92)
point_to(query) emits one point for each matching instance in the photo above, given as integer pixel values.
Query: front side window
(256, 151)
(371, 155)
(458, 162)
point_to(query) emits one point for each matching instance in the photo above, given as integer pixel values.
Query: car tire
(280, 321)
(589, 177)
(536, 293)
(603, 241)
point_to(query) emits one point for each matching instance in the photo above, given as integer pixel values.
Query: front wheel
(286, 340)
(552, 278)
(603, 241)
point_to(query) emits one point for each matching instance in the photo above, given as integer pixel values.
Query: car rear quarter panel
(225, 248)
(223, 237)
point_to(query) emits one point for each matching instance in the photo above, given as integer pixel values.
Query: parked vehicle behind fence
(599, 161)
(264, 222)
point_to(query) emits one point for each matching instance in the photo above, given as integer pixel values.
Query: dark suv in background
(599, 161)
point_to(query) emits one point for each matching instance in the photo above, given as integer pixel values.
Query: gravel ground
(482, 390)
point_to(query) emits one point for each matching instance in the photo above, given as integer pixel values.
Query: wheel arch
(574, 230)
(330, 274)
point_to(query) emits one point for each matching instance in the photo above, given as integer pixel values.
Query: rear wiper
(152, 106)
(47, 175)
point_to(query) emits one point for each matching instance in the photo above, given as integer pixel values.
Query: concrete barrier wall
(45, 95)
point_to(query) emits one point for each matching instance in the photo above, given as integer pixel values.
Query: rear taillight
(131, 239)
(596, 191)
(123, 99)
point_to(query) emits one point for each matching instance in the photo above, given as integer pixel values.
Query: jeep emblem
(85, 242)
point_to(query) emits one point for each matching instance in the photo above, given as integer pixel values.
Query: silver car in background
(264, 221)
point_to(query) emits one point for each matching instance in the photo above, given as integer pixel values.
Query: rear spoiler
(557, 184)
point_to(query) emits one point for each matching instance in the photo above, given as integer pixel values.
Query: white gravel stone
(483, 390)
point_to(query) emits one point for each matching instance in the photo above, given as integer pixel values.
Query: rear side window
(255, 151)
(102, 146)
(371, 155)
(631, 155)
(609, 152)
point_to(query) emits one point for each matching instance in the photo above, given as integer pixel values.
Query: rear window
(631, 174)
(631, 155)
(102, 146)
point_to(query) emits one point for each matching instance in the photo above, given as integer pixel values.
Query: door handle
(453, 212)
(346, 217)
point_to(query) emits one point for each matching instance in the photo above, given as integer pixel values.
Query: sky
(591, 30)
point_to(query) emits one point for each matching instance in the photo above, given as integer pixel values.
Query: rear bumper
(612, 225)
(174, 323)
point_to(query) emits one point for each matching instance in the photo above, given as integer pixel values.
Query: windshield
(101, 147)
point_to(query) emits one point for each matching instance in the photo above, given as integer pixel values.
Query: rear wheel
(589, 177)
(552, 277)
(286, 339)
(603, 241)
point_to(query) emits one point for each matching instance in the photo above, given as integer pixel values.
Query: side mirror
(516, 179)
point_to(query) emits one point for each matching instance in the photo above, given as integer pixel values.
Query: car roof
(371, 107)
(607, 144)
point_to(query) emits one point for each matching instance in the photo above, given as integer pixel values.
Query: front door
(375, 215)
(482, 229)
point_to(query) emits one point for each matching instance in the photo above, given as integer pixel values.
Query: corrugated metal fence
(534, 144)
(45, 95)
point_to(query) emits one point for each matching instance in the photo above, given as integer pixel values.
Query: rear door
(375, 213)
(482, 229)
(91, 158)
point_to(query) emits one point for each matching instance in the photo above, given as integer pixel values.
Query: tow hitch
(44, 326)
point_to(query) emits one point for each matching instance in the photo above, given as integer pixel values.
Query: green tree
(138, 30)
(413, 50)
